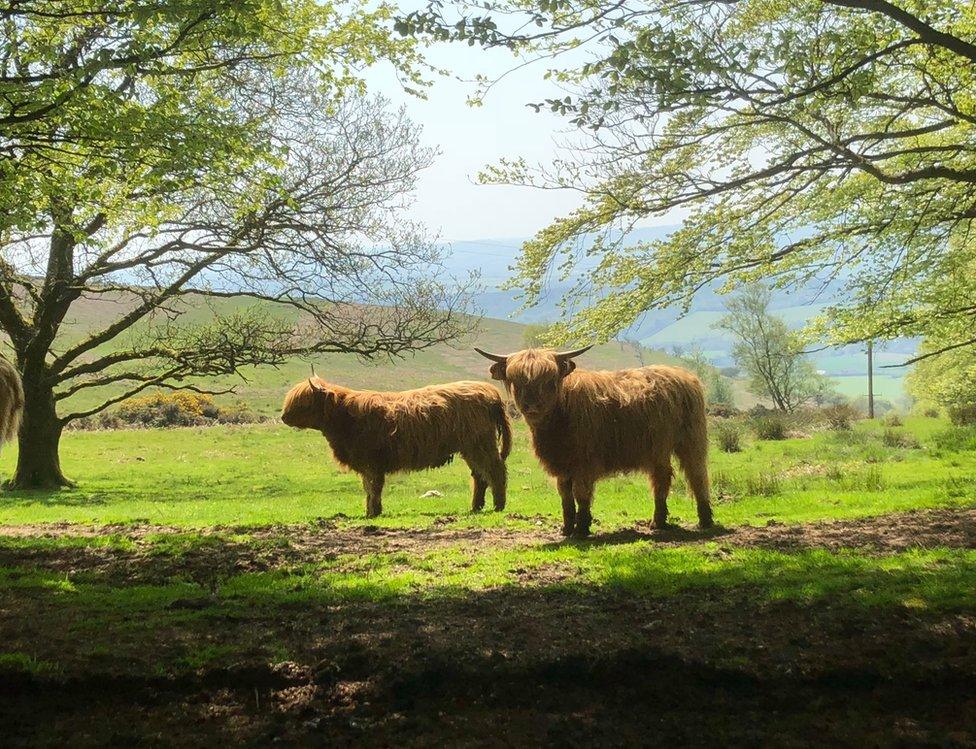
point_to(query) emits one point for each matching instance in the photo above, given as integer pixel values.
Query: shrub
(729, 436)
(962, 415)
(955, 439)
(871, 480)
(722, 411)
(238, 413)
(892, 438)
(772, 426)
(763, 485)
(725, 488)
(881, 406)
(932, 413)
(893, 420)
(177, 409)
(840, 417)
(103, 420)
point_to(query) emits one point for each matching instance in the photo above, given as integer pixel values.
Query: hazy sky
(449, 200)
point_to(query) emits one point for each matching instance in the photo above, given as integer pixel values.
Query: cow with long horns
(588, 425)
(376, 433)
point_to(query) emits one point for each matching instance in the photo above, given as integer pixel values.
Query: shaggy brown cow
(587, 425)
(377, 433)
(11, 401)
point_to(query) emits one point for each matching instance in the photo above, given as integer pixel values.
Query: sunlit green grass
(267, 474)
(940, 578)
(176, 600)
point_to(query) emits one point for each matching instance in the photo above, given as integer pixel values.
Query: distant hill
(263, 387)
(669, 330)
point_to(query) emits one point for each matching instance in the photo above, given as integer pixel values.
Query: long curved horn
(314, 387)
(494, 357)
(571, 354)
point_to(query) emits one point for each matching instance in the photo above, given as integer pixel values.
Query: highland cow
(11, 401)
(588, 425)
(376, 433)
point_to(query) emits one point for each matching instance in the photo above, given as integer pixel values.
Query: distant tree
(768, 352)
(154, 152)
(828, 139)
(825, 393)
(638, 349)
(718, 389)
(947, 382)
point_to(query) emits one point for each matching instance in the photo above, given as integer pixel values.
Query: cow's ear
(498, 370)
(566, 366)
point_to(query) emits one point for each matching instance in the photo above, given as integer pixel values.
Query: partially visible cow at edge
(376, 433)
(588, 425)
(11, 401)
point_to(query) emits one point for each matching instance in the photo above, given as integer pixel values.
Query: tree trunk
(38, 463)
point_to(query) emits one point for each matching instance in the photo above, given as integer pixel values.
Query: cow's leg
(661, 475)
(480, 486)
(498, 476)
(583, 491)
(694, 462)
(565, 486)
(479, 478)
(373, 484)
(487, 469)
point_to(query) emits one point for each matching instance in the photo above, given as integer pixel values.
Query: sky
(448, 200)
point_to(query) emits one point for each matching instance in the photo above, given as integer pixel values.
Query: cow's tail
(692, 450)
(503, 427)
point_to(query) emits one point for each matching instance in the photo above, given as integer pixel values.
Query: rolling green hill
(262, 388)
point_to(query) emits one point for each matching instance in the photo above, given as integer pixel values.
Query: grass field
(221, 585)
(267, 474)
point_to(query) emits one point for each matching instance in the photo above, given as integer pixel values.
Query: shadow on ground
(133, 647)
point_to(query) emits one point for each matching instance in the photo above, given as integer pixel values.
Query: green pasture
(267, 474)
(193, 558)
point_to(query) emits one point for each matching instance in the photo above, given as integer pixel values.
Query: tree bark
(38, 461)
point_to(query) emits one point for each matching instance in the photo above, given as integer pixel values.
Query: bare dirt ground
(293, 544)
(516, 666)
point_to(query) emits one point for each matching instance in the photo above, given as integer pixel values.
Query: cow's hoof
(567, 530)
(706, 524)
(499, 508)
(660, 525)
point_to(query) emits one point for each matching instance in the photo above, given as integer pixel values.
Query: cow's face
(306, 405)
(534, 378)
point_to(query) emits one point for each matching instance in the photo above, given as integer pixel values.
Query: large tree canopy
(154, 151)
(828, 139)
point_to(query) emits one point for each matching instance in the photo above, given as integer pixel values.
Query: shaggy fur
(11, 401)
(376, 433)
(587, 425)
